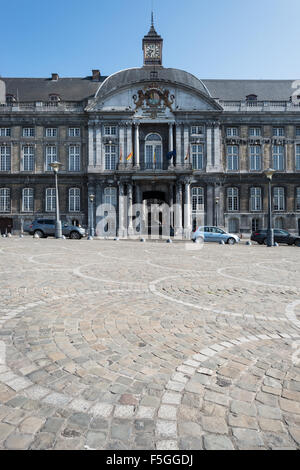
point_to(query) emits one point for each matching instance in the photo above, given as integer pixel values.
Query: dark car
(280, 236)
(46, 227)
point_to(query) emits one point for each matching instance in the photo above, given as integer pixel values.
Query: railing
(249, 106)
(40, 106)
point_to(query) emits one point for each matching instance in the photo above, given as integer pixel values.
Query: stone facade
(150, 135)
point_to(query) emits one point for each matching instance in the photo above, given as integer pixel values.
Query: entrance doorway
(157, 198)
(6, 225)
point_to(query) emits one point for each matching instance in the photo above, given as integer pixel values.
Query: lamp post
(270, 232)
(91, 229)
(217, 199)
(58, 231)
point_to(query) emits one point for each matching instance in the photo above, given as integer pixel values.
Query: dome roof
(145, 74)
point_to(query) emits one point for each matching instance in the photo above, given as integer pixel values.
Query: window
(74, 158)
(110, 157)
(232, 132)
(278, 131)
(28, 158)
(28, 131)
(279, 199)
(255, 225)
(54, 98)
(51, 156)
(153, 152)
(197, 199)
(297, 131)
(297, 157)
(4, 200)
(255, 131)
(50, 200)
(197, 130)
(4, 158)
(110, 130)
(5, 132)
(110, 196)
(298, 199)
(74, 200)
(232, 199)
(27, 200)
(251, 98)
(10, 99)
(197, 157)
(51, 132)
(74, 132)
(255, 199)
(255, 157)
(278, 157)
(232, 157)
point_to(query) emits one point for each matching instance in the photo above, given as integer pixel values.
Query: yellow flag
(154, 156)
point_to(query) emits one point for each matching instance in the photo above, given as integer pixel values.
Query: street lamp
(217, 199)
(58, 231)
(91, 229)
(270, 232)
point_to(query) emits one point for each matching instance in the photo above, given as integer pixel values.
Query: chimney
(55, 77)
(96, 75)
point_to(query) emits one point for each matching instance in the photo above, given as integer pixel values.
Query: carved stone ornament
(153, 97)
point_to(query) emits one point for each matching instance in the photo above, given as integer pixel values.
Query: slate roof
(236, 90)
(38, 89)
(143, 74)
(78, 89)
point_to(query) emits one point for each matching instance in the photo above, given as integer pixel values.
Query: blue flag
(171, 154)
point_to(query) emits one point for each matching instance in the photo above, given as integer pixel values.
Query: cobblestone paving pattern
(129, 345)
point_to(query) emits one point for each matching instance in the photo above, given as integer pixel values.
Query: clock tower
(152, 47)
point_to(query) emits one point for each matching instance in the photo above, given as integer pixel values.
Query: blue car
(214, 234)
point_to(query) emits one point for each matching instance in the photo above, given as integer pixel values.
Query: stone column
(217, 148)
(186, 143)
(171, 146)
(129, 145)
(121, 230)
(187, 210)
(98, 202)
(121, 145)
(179, 158)
(219, 192)
(129, 208)
(209, 163)
(91, 144)
(178, 210)
(210, 205)
(137, 146)
(98, 146)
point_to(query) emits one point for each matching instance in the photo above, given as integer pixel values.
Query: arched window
(27, 200)
(251, 100)
(74, 200)
(153, 152)
(4, 200)
(255, 199)
(110, 196)
(232, 199)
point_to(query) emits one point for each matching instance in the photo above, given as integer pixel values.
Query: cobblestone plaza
(129, 345)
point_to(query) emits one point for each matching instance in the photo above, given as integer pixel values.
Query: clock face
(152, 51)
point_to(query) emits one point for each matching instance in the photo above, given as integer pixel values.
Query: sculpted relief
(154, 98)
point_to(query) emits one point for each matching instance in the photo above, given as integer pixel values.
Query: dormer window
(251, 98)
(10, 99)
(54, 98)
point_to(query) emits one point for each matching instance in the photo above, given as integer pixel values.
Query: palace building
(150, 134)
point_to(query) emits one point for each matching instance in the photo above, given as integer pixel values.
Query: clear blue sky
(209, 38)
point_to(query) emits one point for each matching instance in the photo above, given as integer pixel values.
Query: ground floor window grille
(279, 199)
(255, 199)
(255, 225)
(27, 202)
(4, 200)
(197, 199)
(50, 199)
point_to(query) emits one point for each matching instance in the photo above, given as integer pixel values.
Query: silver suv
(46, 227)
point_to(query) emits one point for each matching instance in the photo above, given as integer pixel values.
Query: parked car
(215, 234)
(46, 227)
(280, 236)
